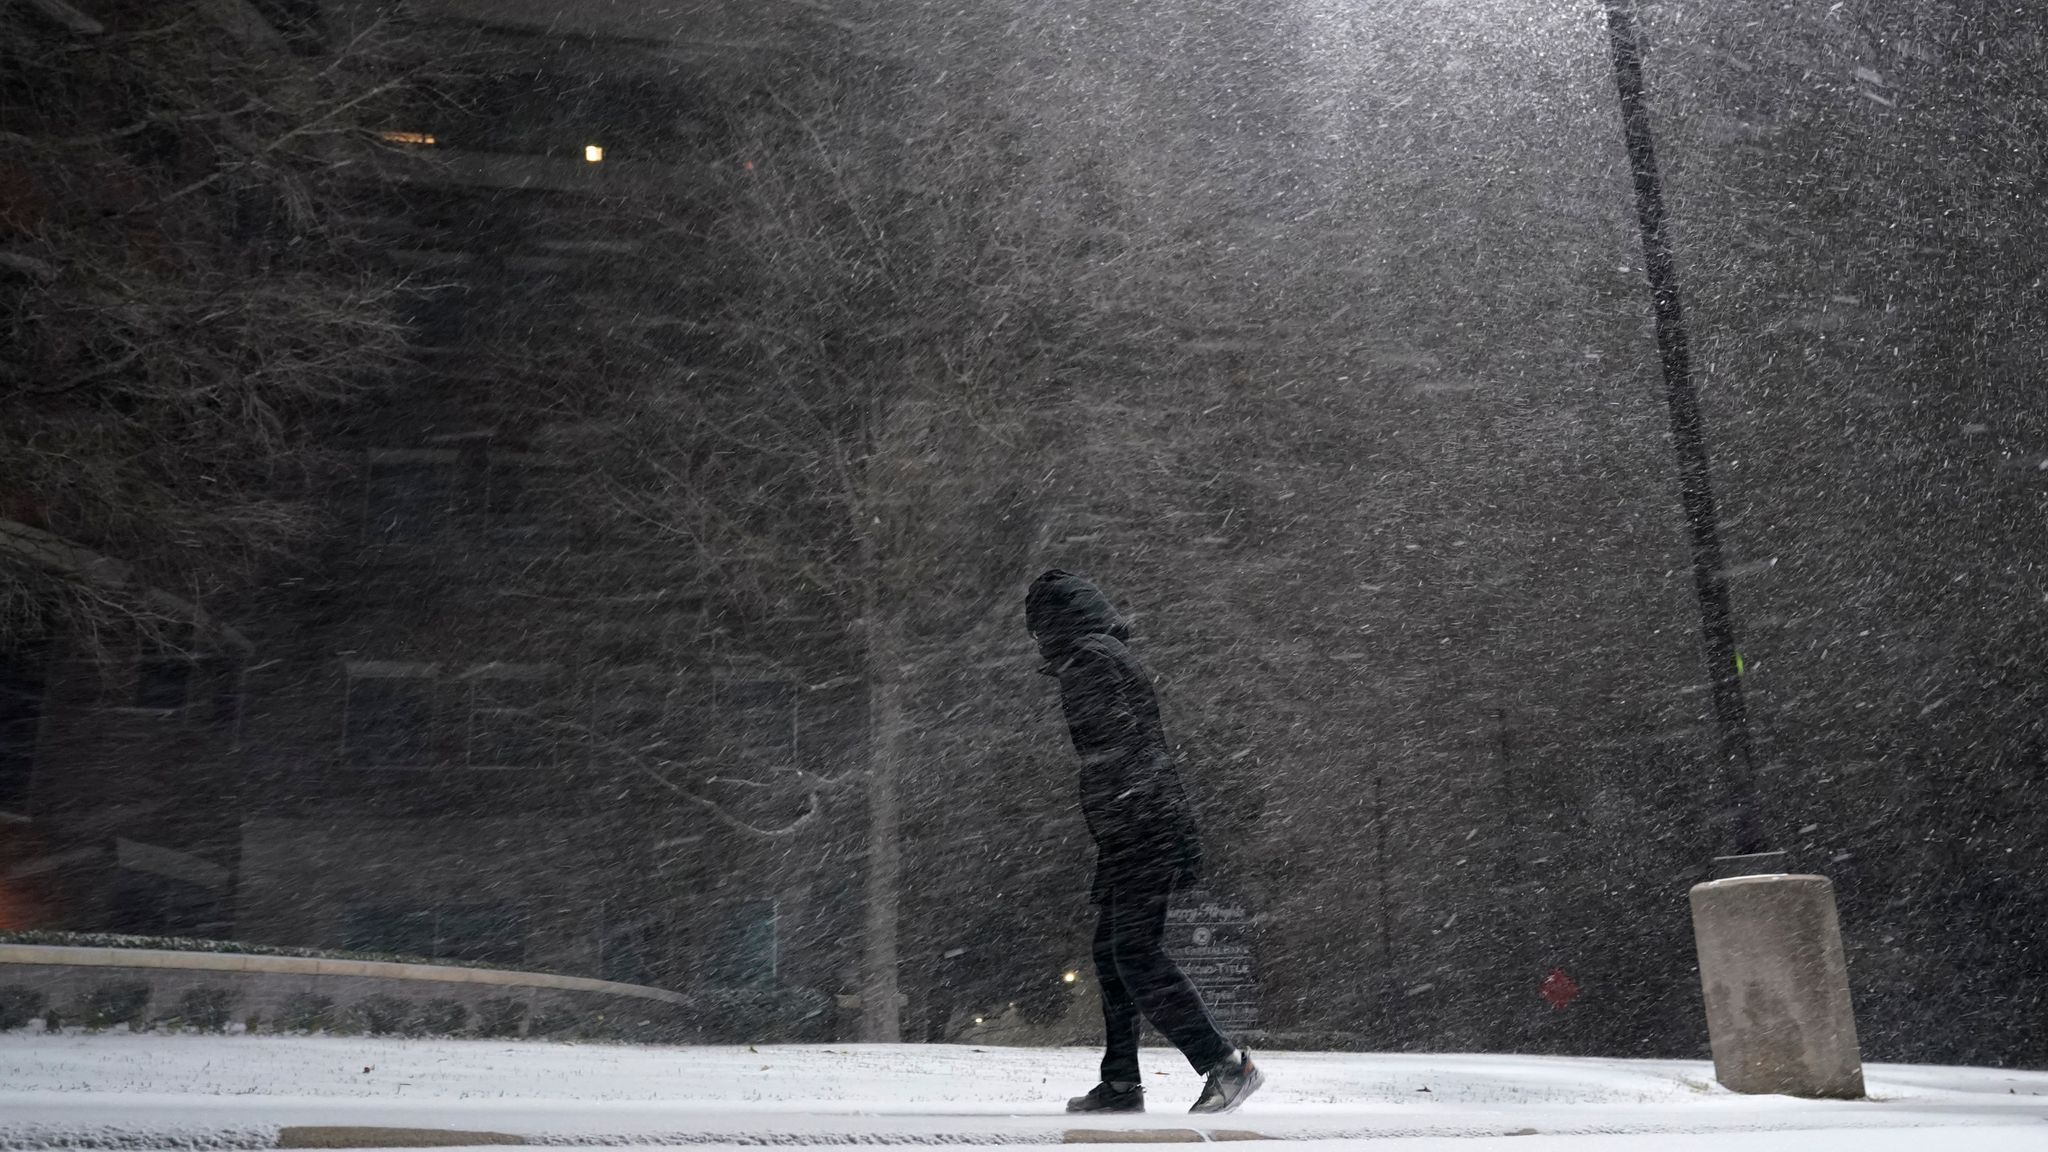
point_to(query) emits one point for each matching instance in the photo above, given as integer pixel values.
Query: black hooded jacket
(1131, 792)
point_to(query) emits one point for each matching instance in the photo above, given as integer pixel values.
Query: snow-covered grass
(155, 1090)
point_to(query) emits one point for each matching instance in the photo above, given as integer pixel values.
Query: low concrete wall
(140, 988)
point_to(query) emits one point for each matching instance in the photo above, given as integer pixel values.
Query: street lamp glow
(593, 153)
(1070, 976)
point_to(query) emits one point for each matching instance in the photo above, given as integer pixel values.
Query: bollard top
(1788, 879)
(1750, 864)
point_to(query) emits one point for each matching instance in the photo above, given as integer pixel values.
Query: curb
(1159, 1136)
(332, 1136)
(352, 1136)
(328, 1137)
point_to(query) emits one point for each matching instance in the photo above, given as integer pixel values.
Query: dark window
(21, 715)
(389, 931)
(146, 904)
(648, 631)
(758, 717)
(438, 315)
(163, 673)
(481, 934)
(629, 946)
(526, 500)
(475, 933)
(409, 495)
(508, 723)
(227, 695)
(389, 722)
(640, 718)
(749, 951)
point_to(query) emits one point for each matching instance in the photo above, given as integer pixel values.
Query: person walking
(1147, 847)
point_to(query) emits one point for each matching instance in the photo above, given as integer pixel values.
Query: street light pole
(1688, 435)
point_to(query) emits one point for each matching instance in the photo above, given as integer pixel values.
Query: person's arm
(1095, 697)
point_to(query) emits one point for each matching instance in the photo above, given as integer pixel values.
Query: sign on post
(1211, 939)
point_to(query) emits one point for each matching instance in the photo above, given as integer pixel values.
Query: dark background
(469, 548)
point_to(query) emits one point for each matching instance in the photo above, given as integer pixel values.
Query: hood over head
(1061, 608)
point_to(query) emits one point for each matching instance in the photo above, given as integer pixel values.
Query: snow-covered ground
(163, 1091)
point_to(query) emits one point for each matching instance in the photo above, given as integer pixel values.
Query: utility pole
(1387, 978)
(881, 1011)
(1688, 437)
(1511, 886)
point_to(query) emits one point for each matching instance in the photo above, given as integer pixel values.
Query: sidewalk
(133, 1092)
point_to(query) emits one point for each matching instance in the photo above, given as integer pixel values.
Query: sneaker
(1108, 1097)
(1230, 1084)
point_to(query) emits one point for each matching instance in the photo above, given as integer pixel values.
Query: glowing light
(593, 153)
(415, 138)
(1070, 977)
(977, 1019)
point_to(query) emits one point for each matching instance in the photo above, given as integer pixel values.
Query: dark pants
(1138, 976)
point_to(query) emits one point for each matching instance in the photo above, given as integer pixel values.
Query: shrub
(554, 1025)
(500, 1016)
(119, 1002)
(443, 1018)
(596, 1027)
(779, 1016)
(206, 1009)
(382, 1014)
(18, 1006)
(306, 1012)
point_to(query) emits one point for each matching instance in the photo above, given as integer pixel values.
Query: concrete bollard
(1777, 987)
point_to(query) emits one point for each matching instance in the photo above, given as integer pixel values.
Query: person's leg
(1120, 1021)
(1137, 932)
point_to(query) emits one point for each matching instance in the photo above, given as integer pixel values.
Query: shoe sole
(1252, 1084)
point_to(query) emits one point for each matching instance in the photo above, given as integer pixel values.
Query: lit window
(418, 139)
(593, 153)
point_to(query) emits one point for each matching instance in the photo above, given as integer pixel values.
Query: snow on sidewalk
(189, 1091)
